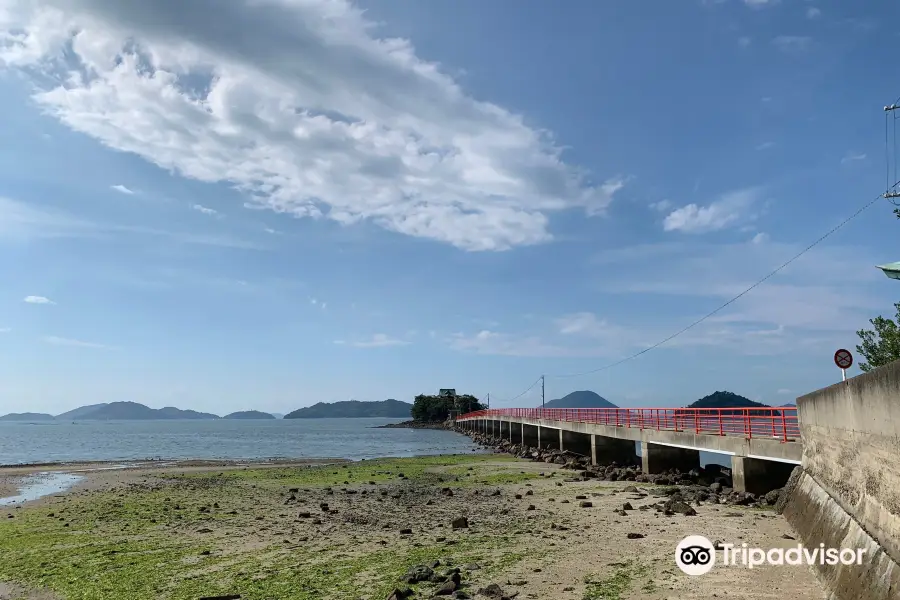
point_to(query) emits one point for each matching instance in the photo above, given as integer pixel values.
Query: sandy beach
(354, 530)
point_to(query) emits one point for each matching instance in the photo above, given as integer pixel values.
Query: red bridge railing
(772, 423)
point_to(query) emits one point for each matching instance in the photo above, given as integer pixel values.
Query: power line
(752, 287)
(526, 391)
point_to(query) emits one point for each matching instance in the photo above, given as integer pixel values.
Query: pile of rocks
(442, 579)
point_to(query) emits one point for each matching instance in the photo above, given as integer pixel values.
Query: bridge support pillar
(758, 476)
(548, 438)
(657, 459)
(531, 435)
(606, 450)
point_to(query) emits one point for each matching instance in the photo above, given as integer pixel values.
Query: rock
(418, 574)
(677, 506)
(772, 497)
(585, 504)
(491, 591)
(447, 588)
(399, 594)
(627, 506)
(406, 531)
(530, 507)
(460, 523)
(634, 536)
(715, 487)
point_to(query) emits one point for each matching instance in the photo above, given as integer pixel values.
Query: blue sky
(273, 203)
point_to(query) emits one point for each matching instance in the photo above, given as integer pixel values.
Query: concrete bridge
(764, 443)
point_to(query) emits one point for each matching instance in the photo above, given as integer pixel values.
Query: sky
(272, 203)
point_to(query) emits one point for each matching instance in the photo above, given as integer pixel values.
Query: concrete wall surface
(851, 447)
(846, 494)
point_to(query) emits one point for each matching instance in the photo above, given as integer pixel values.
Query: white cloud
(20, 221)
(792, 43)
(271, 231)
(760, 238)
(122, 189)
(206, 211)
(813, 13)
(765, 145)
(350, 127)
(662, 205)
(760, 3)
(852, 158)
(379, 340)
(38, 300)
(729, 210)
(744, 42)
(60, 341)
(5, 329)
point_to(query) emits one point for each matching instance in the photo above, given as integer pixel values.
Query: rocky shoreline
(416, 425)
(710, 484)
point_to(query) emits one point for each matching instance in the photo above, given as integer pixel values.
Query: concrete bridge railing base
(820, 519)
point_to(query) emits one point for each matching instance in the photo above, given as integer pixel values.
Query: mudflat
(508, 527)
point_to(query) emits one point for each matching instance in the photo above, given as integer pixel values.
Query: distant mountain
(131, 411)
(726, 400)
(582, 399)
(249, 414)
(27, 417)
(80, 412)
(277, 415)
(354, 408)
(789, 404)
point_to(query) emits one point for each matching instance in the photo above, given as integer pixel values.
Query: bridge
(763, 443)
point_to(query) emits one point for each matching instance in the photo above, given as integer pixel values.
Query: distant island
(132, 411)
(277, 415)
(390, 408)
(113, 411)
(249, 414)
(726, 400)
(580, 399)
(28, 416)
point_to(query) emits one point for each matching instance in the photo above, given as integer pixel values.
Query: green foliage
(437, 408)
(881, 346)
(146, 542)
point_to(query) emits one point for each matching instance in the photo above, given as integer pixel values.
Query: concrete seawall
(846, 493)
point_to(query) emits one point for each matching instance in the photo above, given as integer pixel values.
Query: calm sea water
(354, 439)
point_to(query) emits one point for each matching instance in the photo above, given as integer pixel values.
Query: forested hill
(390, 408)
(726, 400)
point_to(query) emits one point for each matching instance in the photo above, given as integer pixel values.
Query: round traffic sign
(843, 359)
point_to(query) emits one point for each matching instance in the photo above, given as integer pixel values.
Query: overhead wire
(731, 301)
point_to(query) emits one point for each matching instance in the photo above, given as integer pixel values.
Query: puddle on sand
(37, 486)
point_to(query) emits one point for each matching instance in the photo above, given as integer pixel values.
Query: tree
(437, 408)
(881, 346)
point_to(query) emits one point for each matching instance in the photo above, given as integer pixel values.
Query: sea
(228, 439)
(353, 439)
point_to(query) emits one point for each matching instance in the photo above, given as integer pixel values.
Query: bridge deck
(767, 433)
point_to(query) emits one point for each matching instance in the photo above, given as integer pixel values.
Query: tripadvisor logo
(696, 555)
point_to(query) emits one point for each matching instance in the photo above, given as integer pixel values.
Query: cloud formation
(850, 157)
(301, 106)
(727, 211)
(792, 43)
(122, 189)
(379, 340)
(61, 341)
(37, 300)
(205, 210)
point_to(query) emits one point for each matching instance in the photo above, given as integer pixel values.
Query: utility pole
(542, 391)
(892, 191)
(489, 400)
